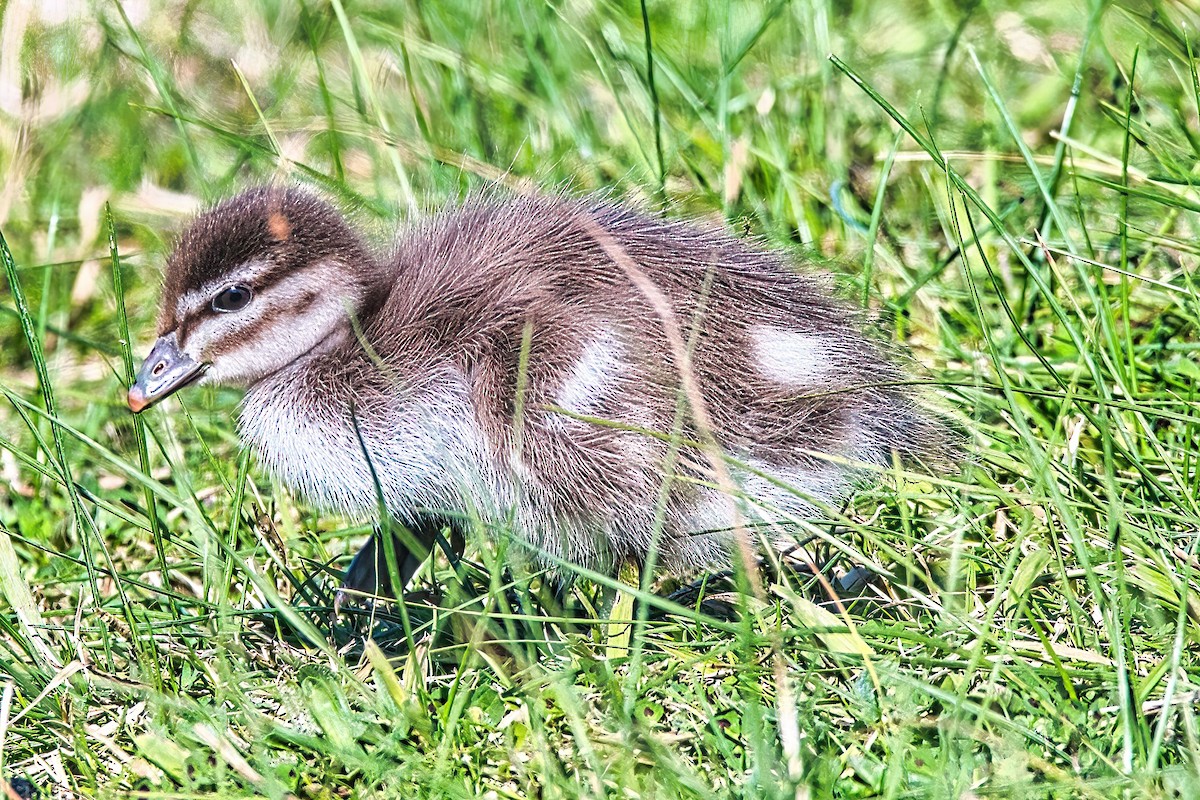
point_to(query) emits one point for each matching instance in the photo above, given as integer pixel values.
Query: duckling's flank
(500, 365)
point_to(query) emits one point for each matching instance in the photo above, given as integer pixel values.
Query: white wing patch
(592, 376)
(790, 357)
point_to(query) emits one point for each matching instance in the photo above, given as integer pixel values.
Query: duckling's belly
(579, 498)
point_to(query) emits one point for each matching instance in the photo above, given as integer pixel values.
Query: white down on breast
(426, 450)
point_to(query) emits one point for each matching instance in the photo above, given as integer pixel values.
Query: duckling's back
(533, 308)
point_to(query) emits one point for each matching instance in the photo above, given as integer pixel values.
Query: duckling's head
(253, 284)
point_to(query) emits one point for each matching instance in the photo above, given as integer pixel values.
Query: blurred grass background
(1010, 187)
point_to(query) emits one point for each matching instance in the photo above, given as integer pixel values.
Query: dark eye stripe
(244, 337)
(305, 301)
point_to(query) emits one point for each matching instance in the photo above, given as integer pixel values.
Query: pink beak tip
(137, 399)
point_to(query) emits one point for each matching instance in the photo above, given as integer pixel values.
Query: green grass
(1011, 190)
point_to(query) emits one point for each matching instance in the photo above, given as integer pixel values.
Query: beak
(166, 370)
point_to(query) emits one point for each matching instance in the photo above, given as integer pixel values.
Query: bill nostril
(158, 368)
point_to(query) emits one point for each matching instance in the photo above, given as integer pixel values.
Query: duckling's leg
(368, 573)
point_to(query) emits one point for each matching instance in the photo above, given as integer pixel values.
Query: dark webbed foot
(369, 575)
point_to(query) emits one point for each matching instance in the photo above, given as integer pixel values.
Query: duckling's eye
(233, 298)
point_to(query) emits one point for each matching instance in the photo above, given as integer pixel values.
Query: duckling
(552, 364)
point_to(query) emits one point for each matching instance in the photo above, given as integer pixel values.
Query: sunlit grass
(1012, 194)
